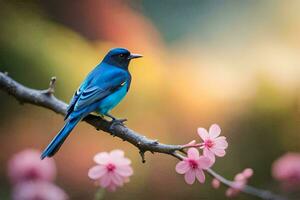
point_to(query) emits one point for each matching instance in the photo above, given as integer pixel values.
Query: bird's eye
(121, 55)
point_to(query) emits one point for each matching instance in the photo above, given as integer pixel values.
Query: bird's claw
(115, 122)
(154, 142)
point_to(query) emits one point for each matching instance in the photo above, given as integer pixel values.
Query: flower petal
(214, 131)
(202, 132)
(96, 172)
(38, 189)
(220, 142)
(102, 158)
(204, 162)
(105, 180)
(200, 176)
(121, 161)
(117, 179)
(193, 153)
(190, 177)
(117, 153)
(182, 167)
(218, 152)
(124, 170)
(209, 154)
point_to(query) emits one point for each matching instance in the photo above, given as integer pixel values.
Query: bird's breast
(113, 99)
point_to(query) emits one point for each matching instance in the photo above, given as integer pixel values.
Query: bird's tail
(59, 139)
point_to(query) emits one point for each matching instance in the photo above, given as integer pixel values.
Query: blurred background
(235, 63)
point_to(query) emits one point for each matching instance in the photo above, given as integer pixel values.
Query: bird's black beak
(133, 56)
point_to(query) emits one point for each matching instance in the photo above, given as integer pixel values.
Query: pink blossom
(239, 182)
(112, 169)
(27, 165)
(215, 183)
(41, 190)
(213, 144)
(247, 173)
(287, 170)
(193, 165)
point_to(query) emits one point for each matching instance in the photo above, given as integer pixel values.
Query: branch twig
(45, 98)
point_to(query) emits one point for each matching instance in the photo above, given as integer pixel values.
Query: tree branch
(45, 98)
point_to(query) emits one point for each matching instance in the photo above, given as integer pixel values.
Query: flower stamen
(208, 143)
(193, 164)
(110, 167)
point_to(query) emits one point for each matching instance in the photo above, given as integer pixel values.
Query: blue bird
(100, 92)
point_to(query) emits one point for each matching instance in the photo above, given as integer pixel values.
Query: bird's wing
(100, 89)
(77, 94)
(73, 102)
(90, 96)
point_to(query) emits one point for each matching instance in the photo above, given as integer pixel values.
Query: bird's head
(120, 57)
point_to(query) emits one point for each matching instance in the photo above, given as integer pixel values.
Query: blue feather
(59, 139)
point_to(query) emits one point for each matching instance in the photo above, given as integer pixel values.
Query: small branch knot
(142, 153)
(51, 89)
(52, 85)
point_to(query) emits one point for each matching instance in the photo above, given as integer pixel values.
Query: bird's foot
(154, 142)
(115, 122)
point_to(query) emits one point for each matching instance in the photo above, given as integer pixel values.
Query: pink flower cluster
(239, 182)
(33, 178)
(112, 169)
(193, 165)
(286, 169)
